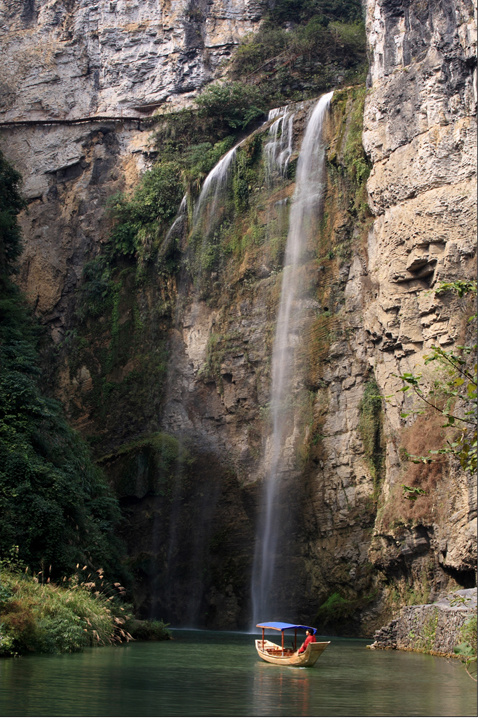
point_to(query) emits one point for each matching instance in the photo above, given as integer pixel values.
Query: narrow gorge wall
(171, 386)
(420, 133)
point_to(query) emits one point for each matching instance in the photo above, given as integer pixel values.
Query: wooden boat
(280, 655)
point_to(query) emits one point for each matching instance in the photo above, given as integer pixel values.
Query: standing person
(310, 637)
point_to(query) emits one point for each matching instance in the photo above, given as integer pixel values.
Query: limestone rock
(119, 61)
(434, 628)
(420, 133)
(116, 58)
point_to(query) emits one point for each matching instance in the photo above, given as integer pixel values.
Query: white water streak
(179, 219)
(212, 190)
(279, 148)
(305, 208)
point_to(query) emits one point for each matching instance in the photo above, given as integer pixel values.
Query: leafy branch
(412, 493)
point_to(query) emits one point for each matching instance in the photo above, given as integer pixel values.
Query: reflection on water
(283, 690)
(219, 674)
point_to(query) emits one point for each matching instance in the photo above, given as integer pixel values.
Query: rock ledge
(434, 628)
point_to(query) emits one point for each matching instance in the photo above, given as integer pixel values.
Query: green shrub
(138, 221)
(95, 292)
(270, 42)
(304, 59)
(55, 504)
(301, 10)
(148, 629)
(47, 618)
(60, 634)
(335, 608)
(198, 160)
(370, 429)
(11, 202)
(179, 130)
(467, 647)
(233, 105)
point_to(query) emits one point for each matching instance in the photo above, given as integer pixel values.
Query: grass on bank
(42, 617)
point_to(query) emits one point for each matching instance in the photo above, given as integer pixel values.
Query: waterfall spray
(305, 208)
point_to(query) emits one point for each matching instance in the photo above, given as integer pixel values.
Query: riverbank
(437, 628)
(37, 616)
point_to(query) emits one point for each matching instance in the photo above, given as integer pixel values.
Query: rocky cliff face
(435, 628)
(76, 77)
(420, 133)
(77, 59)
(174, 391)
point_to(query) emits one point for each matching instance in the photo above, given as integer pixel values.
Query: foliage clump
(346, 158)
(467, 646)
(231, 106)
(139, 221)
(11, 202)
(38, 616)
(284, 11)
(339, 609)
(302, 48)
(453, 393)
(55, 503)
(139, 224)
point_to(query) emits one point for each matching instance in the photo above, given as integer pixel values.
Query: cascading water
(181, 590)
(206, 207)
(277, 154)
(279, 147)
(178, 221)
(279, 452)
(186, 551)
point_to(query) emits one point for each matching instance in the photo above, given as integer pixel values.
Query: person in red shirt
(310, 637)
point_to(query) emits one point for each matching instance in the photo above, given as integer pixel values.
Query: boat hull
(273, 653)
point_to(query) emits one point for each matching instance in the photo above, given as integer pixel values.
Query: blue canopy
(280, 626)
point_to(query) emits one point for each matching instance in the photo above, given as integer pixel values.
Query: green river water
(220, 674)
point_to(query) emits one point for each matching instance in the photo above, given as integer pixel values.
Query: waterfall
(213, 188)
(277, 154)
(176, 227)
(305, 209)
(279, 147)
(179, 219)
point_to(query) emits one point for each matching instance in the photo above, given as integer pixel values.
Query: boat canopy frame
(281, 627)
(274, 625)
